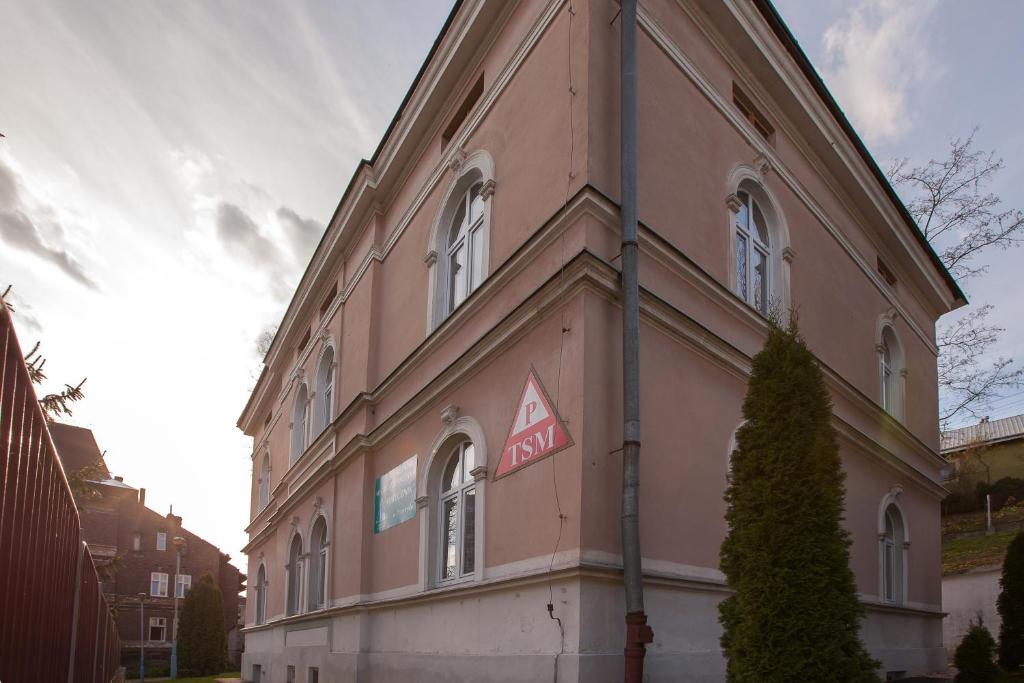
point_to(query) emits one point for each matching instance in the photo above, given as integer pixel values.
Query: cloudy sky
(168, 168)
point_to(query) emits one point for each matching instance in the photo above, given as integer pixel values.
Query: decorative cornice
(479, 472)
(431, 258)
(788, 254)
(449, 414)
(487, 191)
(733, 201)
(422, 501)
(457, 159)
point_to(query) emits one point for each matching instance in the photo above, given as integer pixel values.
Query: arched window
(324, 392)
(753, 253)
(465, 250)
(890, 373)
(892, 556)
(294, 570)
(261, 595)
(300, 422)
(457, 506)
(457, 256)
(318, 565)
(264, 491)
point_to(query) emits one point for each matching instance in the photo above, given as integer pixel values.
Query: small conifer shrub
(974, 655)
(1011, 606)
(202, 639)
(794, 614)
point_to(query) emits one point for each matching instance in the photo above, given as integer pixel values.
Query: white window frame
(475, 170)
(294, 579)
(324, 403)
(161, 540)
(300, 424)
(264, 482)
(137, 542)
(458, 494)
(892, 373)
(160, 623)
(260, 615)
(158, 580)
(893, 550)
(182, 585)
(754, 246)
(318, 569)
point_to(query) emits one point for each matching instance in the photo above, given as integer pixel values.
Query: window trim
(891, 368)
(323, 552)
(478, 167)
(324, 394)
(467, 486)
(294, 577)
(160, 623)
(179, 582)
(455, 429)
(161, 579)
(161, 540)
(745, 178)
(260, 612)
(263, 484)
(299, 428)
(900, 546)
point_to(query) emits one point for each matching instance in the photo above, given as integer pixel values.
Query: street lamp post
(178, 543)
(142, 638)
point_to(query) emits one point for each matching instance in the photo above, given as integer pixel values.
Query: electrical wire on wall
(563, 330)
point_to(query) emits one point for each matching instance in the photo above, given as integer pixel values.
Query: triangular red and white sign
(537, 431)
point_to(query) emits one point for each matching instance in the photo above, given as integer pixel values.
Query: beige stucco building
(479, 245)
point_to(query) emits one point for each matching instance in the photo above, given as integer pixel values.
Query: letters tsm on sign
(537, 430)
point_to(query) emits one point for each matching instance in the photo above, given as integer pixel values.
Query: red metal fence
(54, 622)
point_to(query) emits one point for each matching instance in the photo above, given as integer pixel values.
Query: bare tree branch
(962, 220)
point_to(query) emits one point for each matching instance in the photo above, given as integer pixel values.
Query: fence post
(74, 612)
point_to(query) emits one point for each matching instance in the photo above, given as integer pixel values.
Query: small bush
(974, 656)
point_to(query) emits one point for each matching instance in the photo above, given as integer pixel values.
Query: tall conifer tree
(794, 615)
(202, 641)
(1011, 606)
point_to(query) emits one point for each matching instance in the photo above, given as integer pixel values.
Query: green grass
(962, 554)
(975, 521)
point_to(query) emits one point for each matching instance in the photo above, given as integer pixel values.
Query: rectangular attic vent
(463, 111)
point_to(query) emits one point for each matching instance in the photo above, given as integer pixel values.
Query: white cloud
(875, 55)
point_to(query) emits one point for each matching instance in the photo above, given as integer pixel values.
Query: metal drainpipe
(638, 633)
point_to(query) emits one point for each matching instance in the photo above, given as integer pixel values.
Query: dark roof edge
(792, 46)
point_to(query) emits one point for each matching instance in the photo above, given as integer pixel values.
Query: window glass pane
(760, 283)
(449, 538)
(161, 541)
(469, 532)
(743, 215)
(741, 266)
(476, 204)
(450, 478)
(889, 572)
(469, 461)
(457, 274)
(476, 240)
(760, 227)
(457, 223)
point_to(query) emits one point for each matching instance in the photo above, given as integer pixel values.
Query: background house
(135, 546)
(986, 459)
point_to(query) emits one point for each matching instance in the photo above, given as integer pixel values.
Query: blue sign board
(394, 497)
